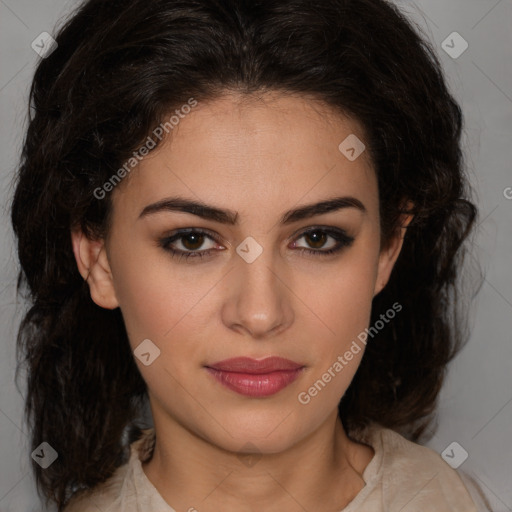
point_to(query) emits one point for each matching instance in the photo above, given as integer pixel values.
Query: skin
(260, 157)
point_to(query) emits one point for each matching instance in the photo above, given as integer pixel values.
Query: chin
(263, 434)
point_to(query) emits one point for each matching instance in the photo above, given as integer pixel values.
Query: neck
(326, 467)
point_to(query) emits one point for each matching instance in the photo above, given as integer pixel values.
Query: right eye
(191, 240)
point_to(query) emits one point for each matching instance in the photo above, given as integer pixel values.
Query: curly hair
(119, 68)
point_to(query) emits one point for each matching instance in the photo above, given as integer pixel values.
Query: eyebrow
(230, 217)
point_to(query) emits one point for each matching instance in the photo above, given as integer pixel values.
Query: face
(252, 280)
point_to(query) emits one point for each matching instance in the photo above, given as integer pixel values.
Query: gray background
(476, 402)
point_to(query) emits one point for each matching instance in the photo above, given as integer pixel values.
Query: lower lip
(250, 384)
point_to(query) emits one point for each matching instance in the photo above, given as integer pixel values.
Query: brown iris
(192, 241)
(318, 238)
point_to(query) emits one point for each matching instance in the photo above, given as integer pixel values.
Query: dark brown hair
(119, 68)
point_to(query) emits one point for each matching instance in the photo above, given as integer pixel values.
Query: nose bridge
(260, 299)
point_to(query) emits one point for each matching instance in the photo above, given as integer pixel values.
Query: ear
(91, 259)
(389, 254)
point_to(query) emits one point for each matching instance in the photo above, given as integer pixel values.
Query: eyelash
(339, 235)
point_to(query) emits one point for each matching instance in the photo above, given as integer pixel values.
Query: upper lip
(248, 365)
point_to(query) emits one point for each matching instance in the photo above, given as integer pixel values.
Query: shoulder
(118, 491)
(102, 497)
(412, 477)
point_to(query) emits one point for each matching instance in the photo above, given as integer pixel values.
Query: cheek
(344, 295)
(343, 302)
(154, 293)
(342, 299)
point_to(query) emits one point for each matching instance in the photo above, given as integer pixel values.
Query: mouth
(255, 378)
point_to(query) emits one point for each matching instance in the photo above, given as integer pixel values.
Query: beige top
(402, 476)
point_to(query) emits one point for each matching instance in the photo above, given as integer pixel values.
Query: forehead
(260, 152)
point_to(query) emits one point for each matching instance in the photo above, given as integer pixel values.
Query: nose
(259, 301)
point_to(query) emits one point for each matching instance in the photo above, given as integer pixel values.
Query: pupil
(190, 238)
(318, 239)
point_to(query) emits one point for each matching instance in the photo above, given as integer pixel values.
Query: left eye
(317, 238)
(193, 239)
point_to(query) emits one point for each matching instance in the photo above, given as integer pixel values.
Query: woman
(250, 216)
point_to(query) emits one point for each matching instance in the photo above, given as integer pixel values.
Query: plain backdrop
(476, 403)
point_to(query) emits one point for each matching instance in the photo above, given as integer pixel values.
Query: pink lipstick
(255, 378)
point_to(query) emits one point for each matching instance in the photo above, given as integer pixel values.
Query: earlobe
(93, 265)
(390, 253)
